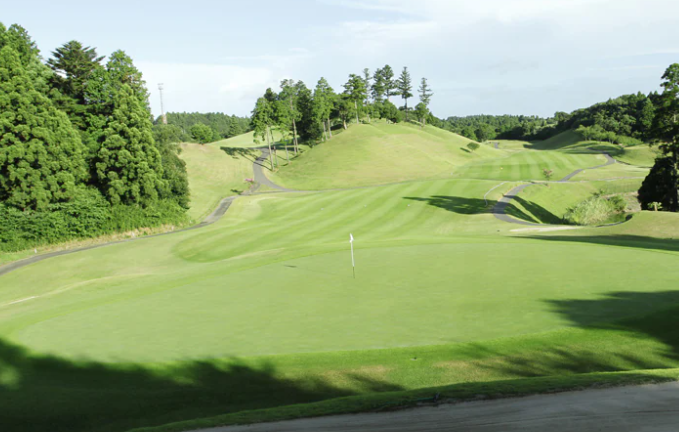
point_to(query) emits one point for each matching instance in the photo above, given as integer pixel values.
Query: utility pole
(163, 117)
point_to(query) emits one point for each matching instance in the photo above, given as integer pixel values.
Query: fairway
(445, 293)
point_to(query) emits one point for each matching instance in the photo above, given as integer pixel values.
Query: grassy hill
(380, 153)
(245, 140)
(215, 174)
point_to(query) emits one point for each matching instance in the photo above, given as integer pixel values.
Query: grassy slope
(380, 153)
(246, 140)
(214, 174)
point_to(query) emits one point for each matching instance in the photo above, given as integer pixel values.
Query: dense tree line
(76, 136)
(624, 120)
(310, 115)
(206, 127)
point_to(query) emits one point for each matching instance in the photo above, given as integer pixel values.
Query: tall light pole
(162, 109)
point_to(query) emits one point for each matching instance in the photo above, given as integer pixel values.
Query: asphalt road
(648, 408)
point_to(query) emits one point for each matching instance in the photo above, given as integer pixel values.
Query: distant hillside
(379, 153)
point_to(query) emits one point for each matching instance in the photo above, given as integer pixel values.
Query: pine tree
(73, 65)
(404, 86)
(325, 96)
(356, 92)
(128, 165)
(41, 155)
(425, 99)
(378, 87)
(390, 87)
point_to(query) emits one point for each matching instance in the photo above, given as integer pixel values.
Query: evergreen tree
(41, 159)
(666, 129)
(356, 92)
(425, 98)
(324, 95)
(378, 87)
(661, 186)
(646, 116)
(262, 120)
(404, 85)
(289, 92)
(310, 121)
(421, 111)
(390, 87)
(128, 165)
(73, 65)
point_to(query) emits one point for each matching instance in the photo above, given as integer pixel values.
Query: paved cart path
(647, 408)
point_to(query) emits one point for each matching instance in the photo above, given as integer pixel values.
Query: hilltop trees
(390, 87)
(324, 96)
(262, 120)
(289, 93)
(405, 88)
(425, 99)
(356, 92)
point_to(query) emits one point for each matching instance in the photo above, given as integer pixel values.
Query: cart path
(500, 208)
(648, 408)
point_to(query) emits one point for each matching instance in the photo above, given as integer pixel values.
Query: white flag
(351, 238)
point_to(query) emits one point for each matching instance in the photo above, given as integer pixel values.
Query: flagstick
(353, 263)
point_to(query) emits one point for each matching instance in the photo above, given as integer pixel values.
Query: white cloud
(205, 87)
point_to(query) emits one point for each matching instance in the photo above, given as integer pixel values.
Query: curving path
(500, 208)
(261, 178)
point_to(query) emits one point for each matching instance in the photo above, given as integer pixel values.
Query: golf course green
(260, 310)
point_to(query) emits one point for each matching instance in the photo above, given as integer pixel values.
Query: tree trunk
(287, 155)
(329, 128)
(356, 108)
(406, 110)
(268, 142)
(325, 133)
(294, 126)
(345, 124)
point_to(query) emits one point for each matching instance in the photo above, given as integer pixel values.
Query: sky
(531, 57)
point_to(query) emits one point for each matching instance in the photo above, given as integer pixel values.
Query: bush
(89, 214)
(595, 210)
(472, 146)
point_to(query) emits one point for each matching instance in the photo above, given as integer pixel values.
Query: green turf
(380, 153)
(260, 310)
(246, 140)
(215, 173)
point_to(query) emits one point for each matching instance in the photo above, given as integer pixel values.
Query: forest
(204, 127)
(78, 150)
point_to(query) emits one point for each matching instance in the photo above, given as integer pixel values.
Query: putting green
(403, 296)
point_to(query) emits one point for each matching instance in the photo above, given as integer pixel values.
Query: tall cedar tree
(324, 96)
(660, 186)
(128, 165)
(390, 88)
(378, 87)
(310, 121)
(41, 155)
(425, 98)
(262, 120)
(73, 65)
(289, 92)
(404, 85)
(368, 91)
(18, 38)
(356, 92)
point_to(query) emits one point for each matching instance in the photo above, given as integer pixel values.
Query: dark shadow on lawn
(236, 152)
(627, 241)
(467, 206)
(540, 213)
(47, 393)
(641, 315)
(472, 206)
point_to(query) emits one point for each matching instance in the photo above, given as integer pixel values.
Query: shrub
(595, 210)
(473, 146)
(89, 214)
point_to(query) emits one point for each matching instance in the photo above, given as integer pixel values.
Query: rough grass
(215, 173)
(380, 153)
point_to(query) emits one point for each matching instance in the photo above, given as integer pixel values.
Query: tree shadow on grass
(639, 317)
(460, 205)
(538, 212)
(237, 152)
(47, 393)
(626, 241)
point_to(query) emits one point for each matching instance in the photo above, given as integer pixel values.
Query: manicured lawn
(260, 310)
